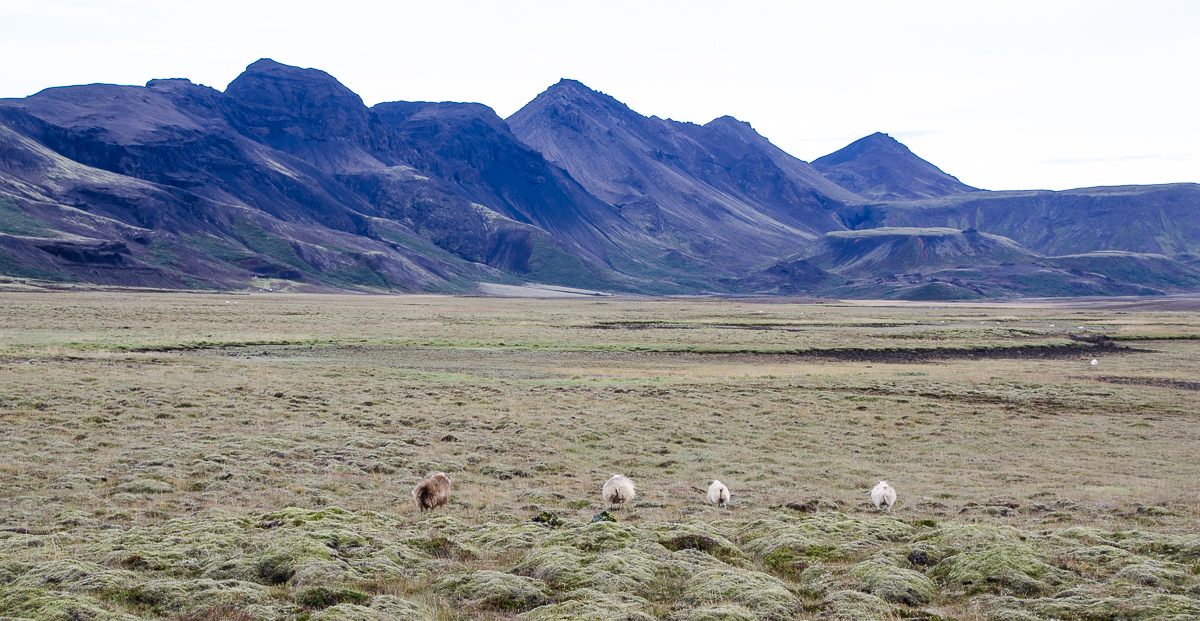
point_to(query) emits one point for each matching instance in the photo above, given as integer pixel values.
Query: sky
(1004, 95)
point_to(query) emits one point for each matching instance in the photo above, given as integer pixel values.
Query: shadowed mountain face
(880, 168)
(474, 151)
(718, 195)
(287, 176)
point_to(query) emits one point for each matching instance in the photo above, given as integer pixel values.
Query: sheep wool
(718, 494)
(883, 496)
(618, 489)
(433, 492)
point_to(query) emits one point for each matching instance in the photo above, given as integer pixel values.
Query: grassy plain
(204, 456)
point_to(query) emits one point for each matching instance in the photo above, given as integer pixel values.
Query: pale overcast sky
(1004, 95)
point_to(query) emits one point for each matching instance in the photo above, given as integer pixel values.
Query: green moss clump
(1155, 574)
(695, 536)
(146, 486)
(496, 589)
(349, 612)
(504, 472)
(324, 597)
(962, 537)
(596, 537)
(892, 583)
(548, 518)
(398, 608)
(280, 562)
(195, 596)
(45, 605)
(720, 612)
(317, 572)
(766, 595)
(616, 572)
(593, 605)
(1181, 548)
(830, 535)
(1000, 568)
(76, 576)
(856, 606)
(494, 537)
(1092, 604)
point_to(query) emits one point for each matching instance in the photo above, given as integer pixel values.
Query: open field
(187, 456)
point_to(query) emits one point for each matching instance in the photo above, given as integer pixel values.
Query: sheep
(618, 489)
(1095, 362)
(883, 496)
(718, 494)
(433, 492)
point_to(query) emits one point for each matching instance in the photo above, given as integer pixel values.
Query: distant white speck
(1095, 362)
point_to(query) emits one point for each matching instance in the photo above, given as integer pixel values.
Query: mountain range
(287, 180)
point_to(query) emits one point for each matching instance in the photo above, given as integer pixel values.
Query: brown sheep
(433, 492)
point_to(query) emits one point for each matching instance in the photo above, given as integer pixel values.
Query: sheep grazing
(618, 489)
(433, 492)
(1095, 362)
(883, 496)
(718, 494)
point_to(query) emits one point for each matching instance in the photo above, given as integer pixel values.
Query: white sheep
(618, 489)
(1095, 362)
(883, 496)
(718, 494)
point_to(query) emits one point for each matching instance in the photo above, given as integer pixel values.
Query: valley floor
(206, 456)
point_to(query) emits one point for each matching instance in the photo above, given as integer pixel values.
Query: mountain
(1149, 219)
(286, 175)
(718, 196)
(902, 250)
(471, 148)
(288, 180)
(880, 168)
(153, 187)
(949, 264)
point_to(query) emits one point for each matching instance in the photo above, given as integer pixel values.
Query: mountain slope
(1153, 219)
(473, 150)
(288, 179)
(718, 196)
(192, 172)
(880, 168)
(901, 250)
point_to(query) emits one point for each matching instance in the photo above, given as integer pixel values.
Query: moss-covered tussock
(341, 565)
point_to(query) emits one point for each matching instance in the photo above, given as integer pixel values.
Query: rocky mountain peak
(289, 107)
(880, 167)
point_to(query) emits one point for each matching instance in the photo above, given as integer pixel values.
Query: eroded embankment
(904, 355)
(1157, 382)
